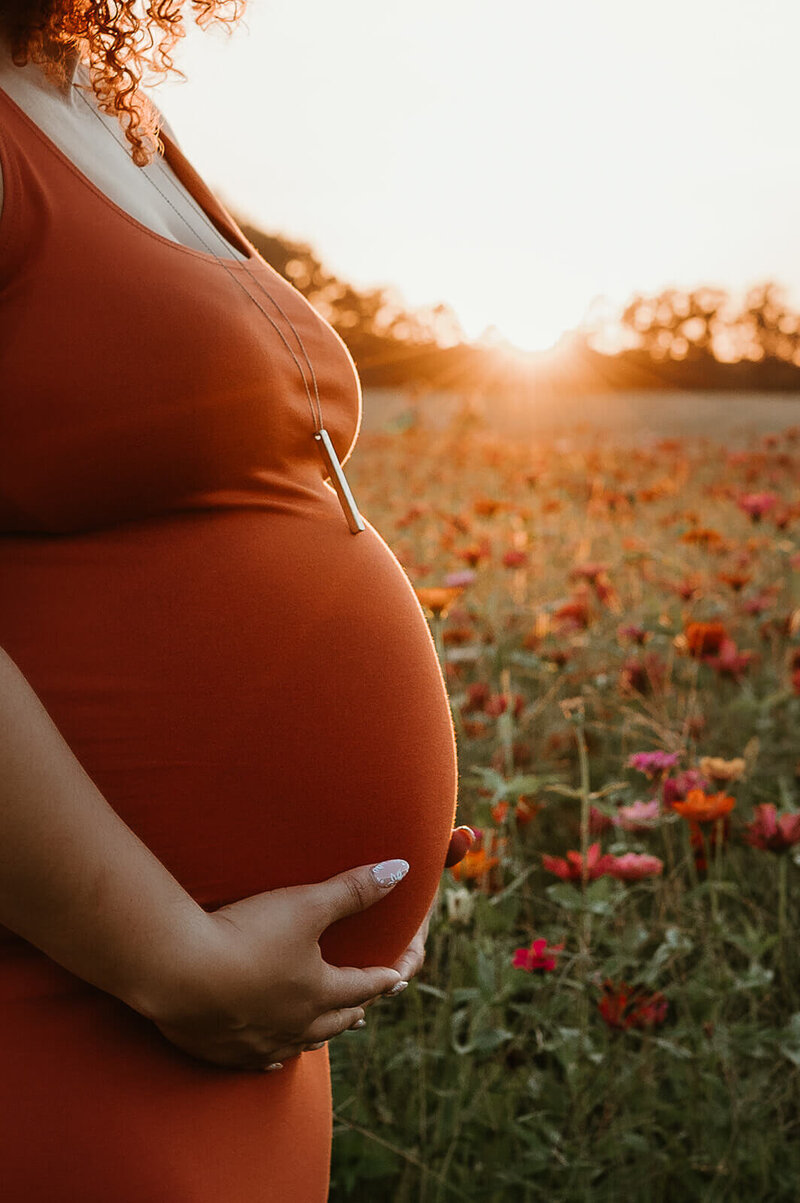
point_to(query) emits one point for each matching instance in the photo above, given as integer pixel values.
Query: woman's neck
(34, 73)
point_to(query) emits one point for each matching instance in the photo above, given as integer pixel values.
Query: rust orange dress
(253, 687)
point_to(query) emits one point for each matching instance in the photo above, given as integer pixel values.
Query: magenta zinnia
(771, 833)
(537, 958)
(651, 763)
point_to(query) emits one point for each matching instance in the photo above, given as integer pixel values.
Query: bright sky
(514, 159)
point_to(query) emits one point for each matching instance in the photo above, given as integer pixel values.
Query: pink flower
(633, 867)
(464, 576)
(758, 604)
(771, 833)
(651, 763)
(730, 662)
(538, 958)
(572, 869)
(756, 504)
(639, 816)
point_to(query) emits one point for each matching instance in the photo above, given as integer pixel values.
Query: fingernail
(389, 872)
(273, 1065)
(319, 1044)
(397, 988)
(361, 1023)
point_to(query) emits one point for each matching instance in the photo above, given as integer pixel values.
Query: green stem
(439, 642)
(782, 872)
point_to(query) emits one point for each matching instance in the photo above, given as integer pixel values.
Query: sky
(516, 160)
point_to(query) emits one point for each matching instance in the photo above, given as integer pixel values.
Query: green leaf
(464, 994)
(434, 990)
(601, 897)
(484, 1042)
(755, 979)
(790, 1045)
(675, 1050)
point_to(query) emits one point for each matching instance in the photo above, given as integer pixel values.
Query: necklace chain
(320, 434)
(196, 206)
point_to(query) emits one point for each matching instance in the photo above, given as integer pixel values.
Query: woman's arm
(242, 987)
(74, 879)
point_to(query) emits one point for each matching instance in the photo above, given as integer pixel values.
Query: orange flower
(487, 507)
(736, 580)
(704, 638)
(523, 812)
(476, 552)
(475, 865)
(700, 807)
(457, 635)
(574, 613)
(704, 536)
(438, 599)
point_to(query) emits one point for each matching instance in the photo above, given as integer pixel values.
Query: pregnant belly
(256, 694)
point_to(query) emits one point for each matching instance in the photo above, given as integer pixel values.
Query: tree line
(673, 339)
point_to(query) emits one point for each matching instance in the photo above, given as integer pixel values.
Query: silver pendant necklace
(321, 436)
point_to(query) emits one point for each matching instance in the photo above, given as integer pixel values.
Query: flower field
(610, 1003)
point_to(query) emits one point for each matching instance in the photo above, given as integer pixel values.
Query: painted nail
(389, 872)
(397, 988)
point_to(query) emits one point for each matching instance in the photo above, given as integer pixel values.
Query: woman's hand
(411, 961)
(259, 990)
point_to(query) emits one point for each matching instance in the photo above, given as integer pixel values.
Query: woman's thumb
(357, 889)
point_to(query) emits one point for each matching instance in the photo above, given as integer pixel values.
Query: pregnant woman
(220, 704)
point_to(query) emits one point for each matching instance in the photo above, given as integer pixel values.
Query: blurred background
(519, 203)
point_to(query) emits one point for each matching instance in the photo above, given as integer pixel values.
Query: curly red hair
(48, 32)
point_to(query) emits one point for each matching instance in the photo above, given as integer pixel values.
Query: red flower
(623, 1006)
(704, 638)
(497, 704)
(573, 613)
(771, 833)
(477, 696)
(573, 869)
(538, 958)
(513, 558)
(599, 822)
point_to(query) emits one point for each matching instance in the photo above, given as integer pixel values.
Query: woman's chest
(95, 145)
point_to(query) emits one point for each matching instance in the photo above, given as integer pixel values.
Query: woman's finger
(332, 1024)
(460, 843)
